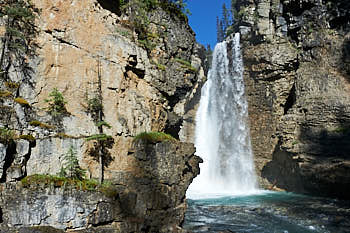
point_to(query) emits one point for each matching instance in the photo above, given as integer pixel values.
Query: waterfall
(222, 131)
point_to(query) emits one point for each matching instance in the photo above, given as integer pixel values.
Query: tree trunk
(100, 128)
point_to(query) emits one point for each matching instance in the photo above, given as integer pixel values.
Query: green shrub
(160, 66)
(186, 65)
(41, 124)
(56, 103)
(42, 180)
(153, 137)
(63, 135)
(6, 135)
(39, 179)
(94, 106)
(11, 85)
(30, 138)
(21, 101)
(5, 94)
(103, 123)
(98, 137)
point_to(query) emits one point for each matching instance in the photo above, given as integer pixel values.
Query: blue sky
(203, 18)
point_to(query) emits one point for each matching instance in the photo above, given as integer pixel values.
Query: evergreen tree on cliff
(219, 30)
(18, 39)
(225, 17)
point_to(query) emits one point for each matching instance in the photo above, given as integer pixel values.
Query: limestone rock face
(87, 51)
(150, 195)
(296, 56)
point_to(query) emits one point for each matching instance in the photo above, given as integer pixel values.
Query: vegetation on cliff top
(47, 181)
(177, 7)
(153, 137)
(139, 11)
(6, 135)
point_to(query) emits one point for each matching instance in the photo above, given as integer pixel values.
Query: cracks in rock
(61, 40)
(293, 34)
(188, 169)
(290, 100)
(131, 66)
(92, 55)
(1, 214)
(269, 71)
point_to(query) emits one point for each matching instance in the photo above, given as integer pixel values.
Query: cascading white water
(222, 131)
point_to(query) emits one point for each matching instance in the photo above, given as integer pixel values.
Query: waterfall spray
(222, 131)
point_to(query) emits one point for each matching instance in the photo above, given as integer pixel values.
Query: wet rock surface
(297, 84)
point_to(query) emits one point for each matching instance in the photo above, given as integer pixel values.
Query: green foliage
(161, 67)
(94, 106)
(11, 85)
(21, 101)
(30, 138)
(186, 65)
(103, 123)
(63, 135)
(18, 42)
(138, 11)
(41, 180)
(41, 124)
(71, 168)
(153, 137)
(147, 44)
(6, 135)
(342, 129)
(295, 142)
(123, 33)
(56, 103)
(5, 94)
(99, 137)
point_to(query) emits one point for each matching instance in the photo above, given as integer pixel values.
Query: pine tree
(102, 142)
(225, 17)
(233, 10)
(219, 30)
(222, 31)
(71, 168)
(18, 39)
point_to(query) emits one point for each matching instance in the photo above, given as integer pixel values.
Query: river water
(268, 212)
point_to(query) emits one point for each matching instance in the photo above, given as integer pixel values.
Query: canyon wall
(297, 73)
(88, 50)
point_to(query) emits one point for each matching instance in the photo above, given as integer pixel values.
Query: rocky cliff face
(86, 50)
(148, 198)
(296, 55)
